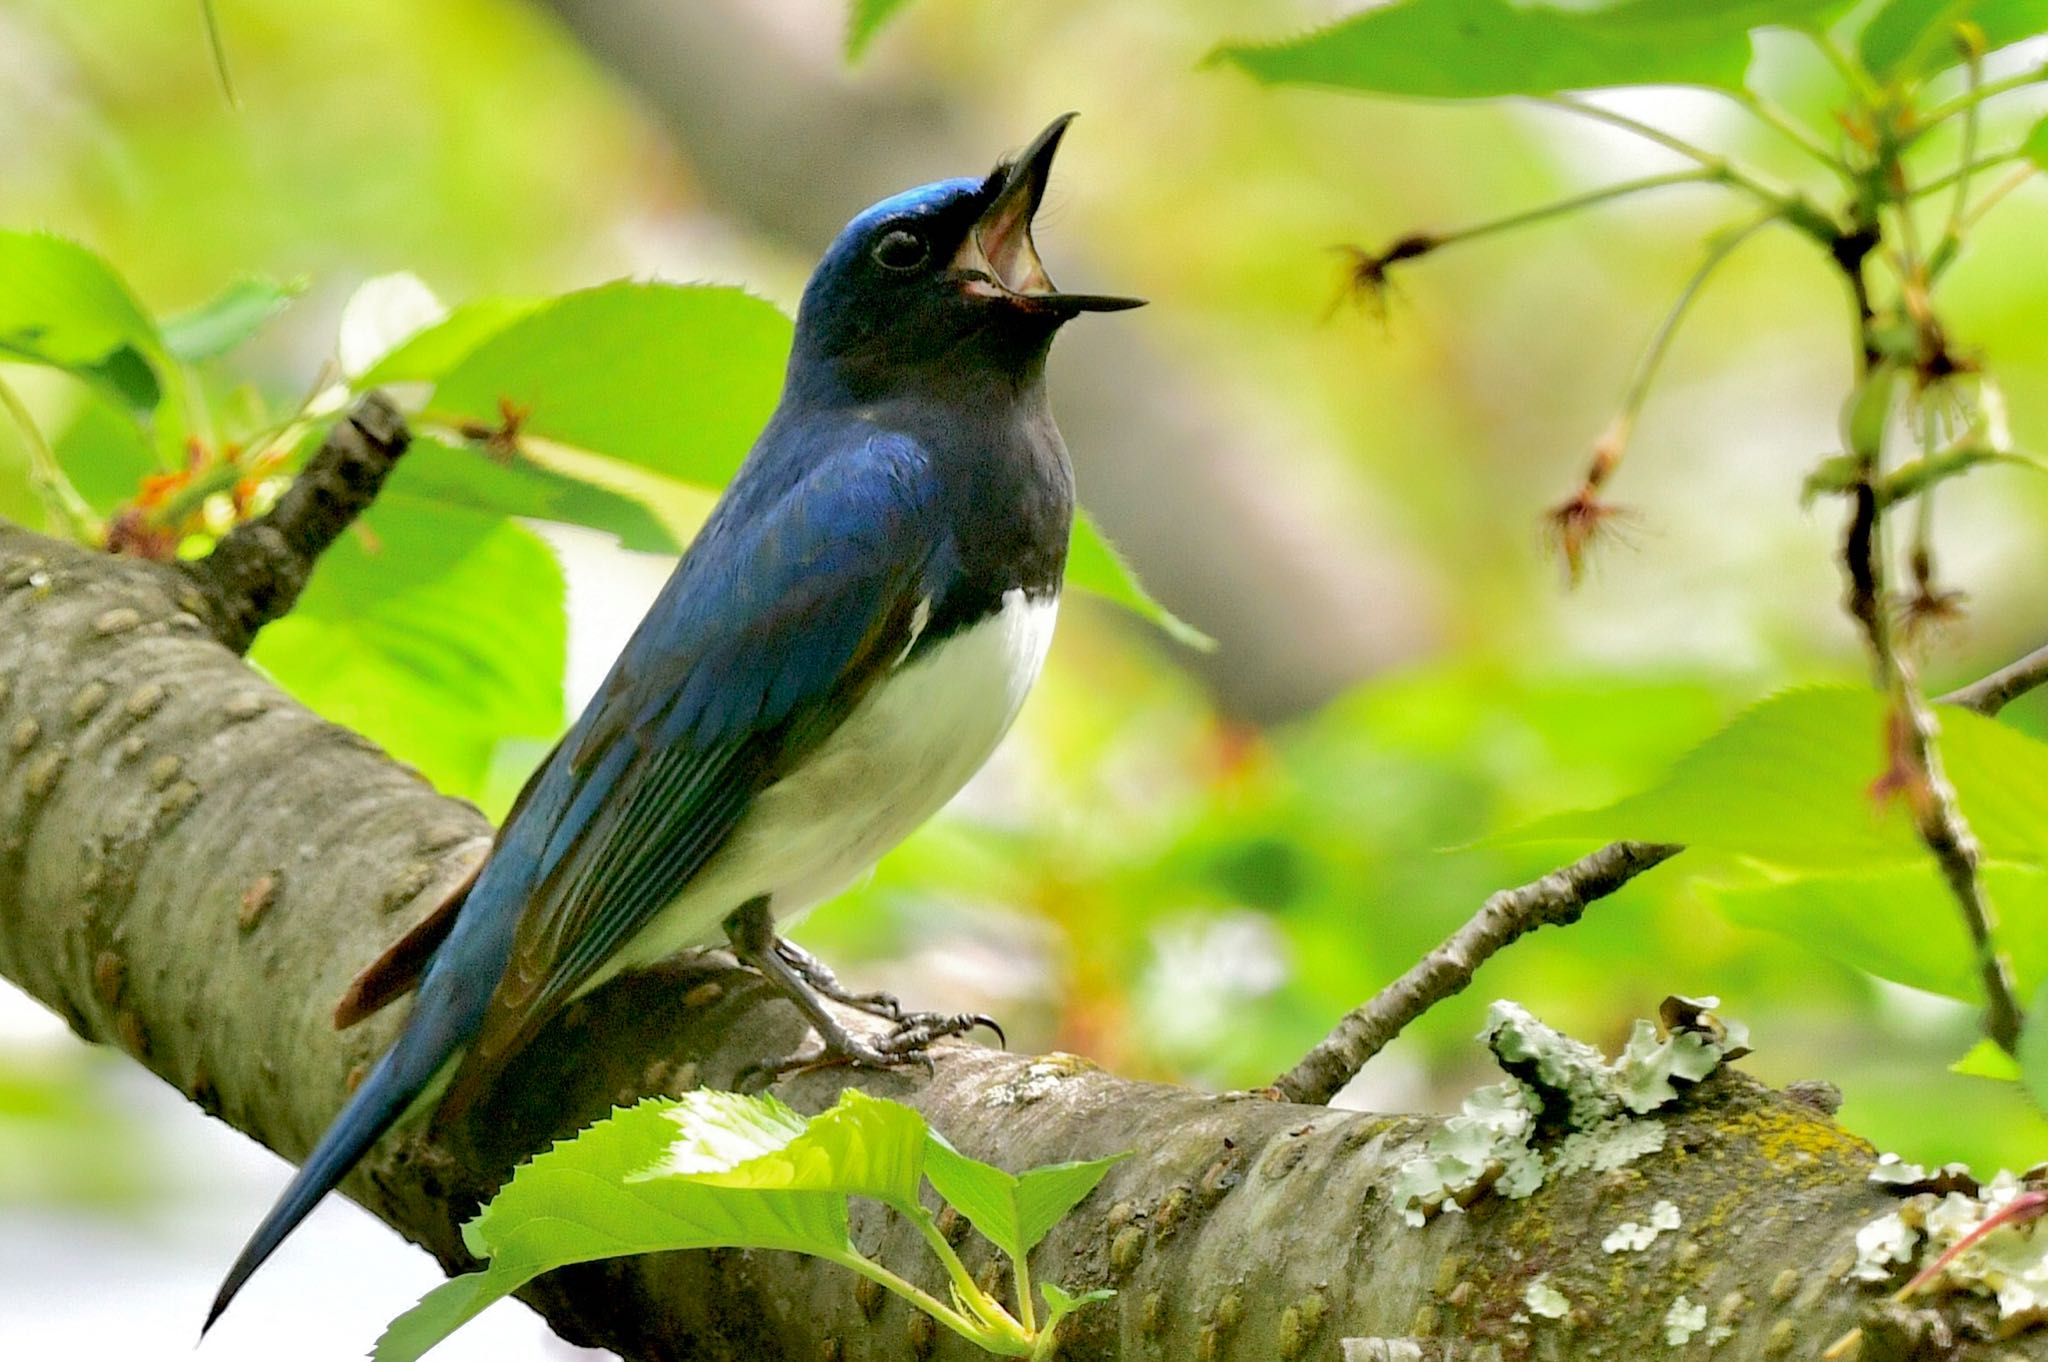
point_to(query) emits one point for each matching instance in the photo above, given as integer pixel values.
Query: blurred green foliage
(1209, 898)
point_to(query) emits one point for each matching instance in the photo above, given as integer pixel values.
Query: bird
(839, 649)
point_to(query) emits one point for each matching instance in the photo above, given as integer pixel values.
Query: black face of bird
(947, 272)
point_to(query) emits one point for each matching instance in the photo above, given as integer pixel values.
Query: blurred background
(1184, 866)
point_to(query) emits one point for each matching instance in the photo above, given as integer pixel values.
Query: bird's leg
(820, 977)
(751, 930)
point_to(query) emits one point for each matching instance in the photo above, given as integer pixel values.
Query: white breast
(904, 751)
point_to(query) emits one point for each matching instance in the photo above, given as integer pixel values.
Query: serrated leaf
(864, 19)
(1012, 1211)
(62, 305)
(1790, 782)
(1899, 923)
(863, 1146)
(428, 354)
(678, 379)
(1913, 39)
(1986, 1060)
(1480, 49)
(2033, 1050)
(474, 479)
(1094, 565)
(436, 631)
(582, 1201)
(227, 319)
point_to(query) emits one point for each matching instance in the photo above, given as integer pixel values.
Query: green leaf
(226, 320)
(434, 630)
(677, 379)
(1059, 1304)
(1480, 49)
(1012, 1211)
(2033, 1049)
(1986, 1060)
(64, 306)
(1898, 923)
(474, 479)
(1912, 39)
(429, 353)
(1789, 782)
(589, 1198)
(2036, 145)
(863, 1146)
(1094, 565)
(864, 19)
(104, 453)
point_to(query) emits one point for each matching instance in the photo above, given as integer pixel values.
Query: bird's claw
(822, 980)
(909, 1041)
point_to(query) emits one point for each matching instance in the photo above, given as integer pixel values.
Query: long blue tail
(430, 1039)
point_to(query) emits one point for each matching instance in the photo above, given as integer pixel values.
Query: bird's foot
(909, 1041)
(796, 975)
(824, 982)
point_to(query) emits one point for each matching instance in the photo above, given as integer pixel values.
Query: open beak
(998, 259)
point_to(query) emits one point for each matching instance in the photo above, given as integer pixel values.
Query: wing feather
(767, 635)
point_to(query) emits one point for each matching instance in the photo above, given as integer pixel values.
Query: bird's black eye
(901, 250)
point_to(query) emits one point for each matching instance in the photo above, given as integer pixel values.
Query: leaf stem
(47, 476)
(1860, 84)
(1783, 203)
(1967, 102)
(975, 1331)
(1660, 342)
(1576, 203)
(993, 1318)
(1779, 120)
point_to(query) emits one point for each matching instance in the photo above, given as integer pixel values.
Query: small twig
(1556, 899)
(1936, 813)
(2003, 686)
(254, 575)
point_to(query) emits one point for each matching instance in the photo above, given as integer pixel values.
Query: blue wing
(775, 626)
(798, 595)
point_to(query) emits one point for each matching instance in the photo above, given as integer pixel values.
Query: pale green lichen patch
(1545, 1300)
(1492, 1142)
(1632, 1237)
(1683, 1320)
(1988, 1242)
(1486, 1143)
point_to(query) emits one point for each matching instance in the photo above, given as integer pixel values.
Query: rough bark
(192, 866)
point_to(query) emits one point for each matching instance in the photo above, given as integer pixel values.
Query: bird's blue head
(941, 279)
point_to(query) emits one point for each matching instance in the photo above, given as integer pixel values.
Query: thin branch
(2003, 686)
(1916, 770)
(1558, 898)
(255, 574)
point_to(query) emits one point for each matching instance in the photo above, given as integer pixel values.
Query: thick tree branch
(192, 866)
(256, 572)
(1556, 899)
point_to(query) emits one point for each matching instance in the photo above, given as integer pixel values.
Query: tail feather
(397, 1079)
